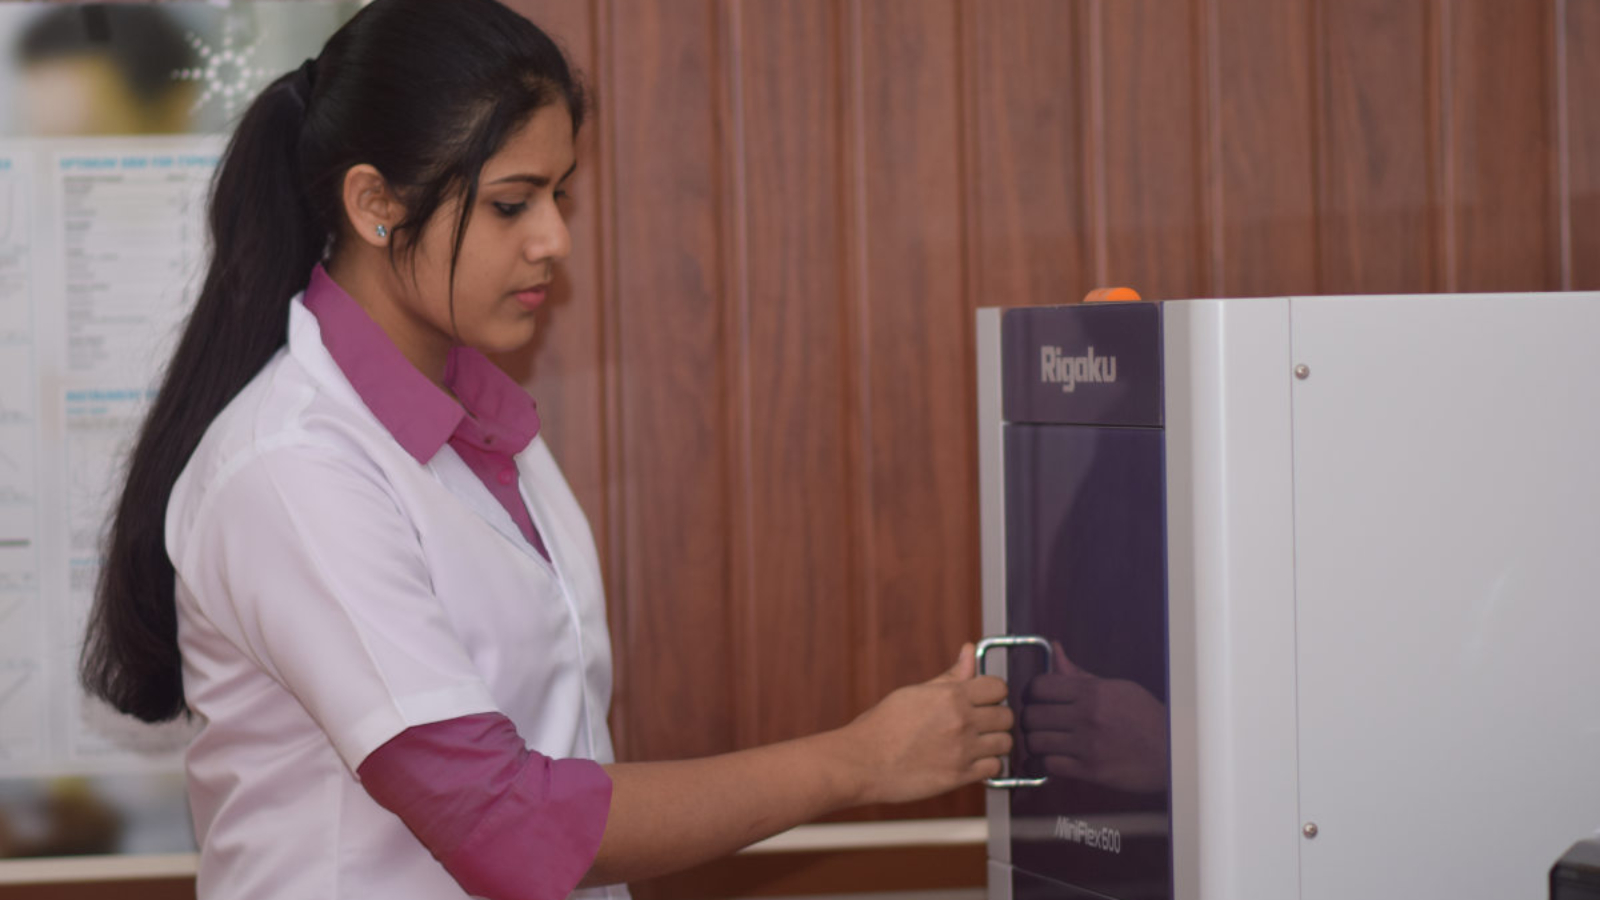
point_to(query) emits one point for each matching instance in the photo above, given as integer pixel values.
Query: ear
(368, 203)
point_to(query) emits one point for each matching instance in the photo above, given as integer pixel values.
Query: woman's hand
(919, 741)
(929, 738)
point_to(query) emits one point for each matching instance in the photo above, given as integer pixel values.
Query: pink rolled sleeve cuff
(506, 823)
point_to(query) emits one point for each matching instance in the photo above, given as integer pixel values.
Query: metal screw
(1310, 830)
(1302, 372)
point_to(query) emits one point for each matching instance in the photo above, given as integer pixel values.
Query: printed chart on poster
(113, 120)
(101, 246)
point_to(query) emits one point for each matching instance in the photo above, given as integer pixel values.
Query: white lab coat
(333, 592)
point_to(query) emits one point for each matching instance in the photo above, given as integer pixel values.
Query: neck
(367, 275)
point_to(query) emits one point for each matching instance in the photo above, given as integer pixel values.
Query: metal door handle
(1016, 640)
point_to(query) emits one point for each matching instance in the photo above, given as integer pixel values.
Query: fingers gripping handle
(1015, 640)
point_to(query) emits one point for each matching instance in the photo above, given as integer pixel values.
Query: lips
(532, 297)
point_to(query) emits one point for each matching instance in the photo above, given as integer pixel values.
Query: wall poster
(112, 121)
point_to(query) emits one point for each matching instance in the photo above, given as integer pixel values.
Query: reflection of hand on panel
(1109, 731)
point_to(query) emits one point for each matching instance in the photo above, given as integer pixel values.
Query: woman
(342, 547)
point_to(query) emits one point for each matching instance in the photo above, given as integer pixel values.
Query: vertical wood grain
(1376, 175)
(857, 245)
(739, 426)
(1265, 155)
(1500, 142)
(913, 348)
(1152, 142)
(612, 536)
(673, 389)
(968, 14)
(803, 548)
(1031, 212)
(1208, 83)
(1560, 109)
(1094, 138)
(1442, 102)
(1581, 33)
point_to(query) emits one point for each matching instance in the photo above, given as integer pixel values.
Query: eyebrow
(537, 181)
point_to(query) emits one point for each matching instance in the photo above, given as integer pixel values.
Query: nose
(549, 238)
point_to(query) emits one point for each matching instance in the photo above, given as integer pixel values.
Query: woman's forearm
(919, 741)
(666, 816)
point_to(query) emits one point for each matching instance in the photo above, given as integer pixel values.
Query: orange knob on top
(1111, 295)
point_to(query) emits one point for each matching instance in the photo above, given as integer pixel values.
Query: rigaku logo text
(1071, 371)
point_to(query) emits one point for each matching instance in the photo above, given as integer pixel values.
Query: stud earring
(383, 231)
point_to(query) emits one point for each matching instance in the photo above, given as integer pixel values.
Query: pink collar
(420, 416)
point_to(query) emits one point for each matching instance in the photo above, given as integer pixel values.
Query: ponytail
(424, 91)
(265, 241)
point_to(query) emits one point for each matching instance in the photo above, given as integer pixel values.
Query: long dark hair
(423, 90)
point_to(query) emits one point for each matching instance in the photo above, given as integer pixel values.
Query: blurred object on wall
(79, 69)
(104, 69)
(68, 818)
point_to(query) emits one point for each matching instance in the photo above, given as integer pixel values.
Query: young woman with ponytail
(342, 548)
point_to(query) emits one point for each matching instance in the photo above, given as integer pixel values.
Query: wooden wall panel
(1580, 48)
(800, 202)
(903, 209)
(1029, 216)
(1146, 133)
(674, 599)
(1499, 144)
(796, 672)
(1263, 147)
(1377, 172)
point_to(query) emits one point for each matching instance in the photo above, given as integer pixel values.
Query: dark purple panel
(1027, 886)
(1086, 364)
(1086, 568)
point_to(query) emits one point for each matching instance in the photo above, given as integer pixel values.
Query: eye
(510, 210)
(561, 194)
